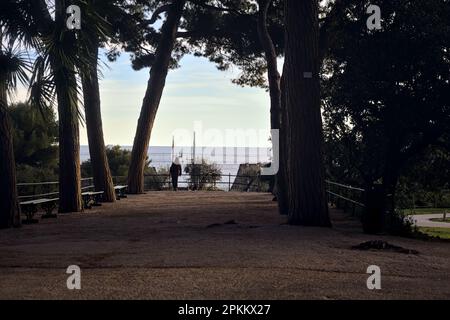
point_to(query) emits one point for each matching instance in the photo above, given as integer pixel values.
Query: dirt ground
(166, 245)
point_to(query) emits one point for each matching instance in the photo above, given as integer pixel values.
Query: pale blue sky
(196, 91)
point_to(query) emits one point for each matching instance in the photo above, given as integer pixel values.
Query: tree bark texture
(9, 206)
(306, 184)
(91, 94)
(152, 98)
(69, 137)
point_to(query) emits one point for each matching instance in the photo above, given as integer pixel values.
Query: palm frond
(42, 85)
(14, 68)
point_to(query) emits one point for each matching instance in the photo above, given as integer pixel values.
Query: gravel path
(423, 220)
(165, 245)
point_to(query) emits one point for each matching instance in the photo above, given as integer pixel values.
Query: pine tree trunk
(272, 69)
(282, 176)
(150, 104)
(275, 94)
(91, 94)
(306, 187)
(390, 180)
(9, 206)
(69, 137)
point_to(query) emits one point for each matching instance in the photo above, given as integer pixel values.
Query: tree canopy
(386, 94)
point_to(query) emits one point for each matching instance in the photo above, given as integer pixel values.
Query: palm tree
(58, 63)
(13, 68)
(61, 57)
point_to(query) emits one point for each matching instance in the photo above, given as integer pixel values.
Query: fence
(340, 195)
(37, 190)
(346, 197)
(152, 182)
(227, 182)
(422, 200)
(343, 196)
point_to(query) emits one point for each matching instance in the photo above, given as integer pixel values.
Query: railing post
(229, 182)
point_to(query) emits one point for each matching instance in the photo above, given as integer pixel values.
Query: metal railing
(227, 182)
(37, 190)
(341, 195)
(345, 196)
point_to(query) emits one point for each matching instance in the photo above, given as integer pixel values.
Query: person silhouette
(175, 172)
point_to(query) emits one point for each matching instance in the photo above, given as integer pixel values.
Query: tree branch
(324, 36)
(158, 11)
(211, 7)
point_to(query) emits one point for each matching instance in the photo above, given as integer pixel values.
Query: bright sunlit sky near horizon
(196, 91)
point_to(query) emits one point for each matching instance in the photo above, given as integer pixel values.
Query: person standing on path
(175, 172)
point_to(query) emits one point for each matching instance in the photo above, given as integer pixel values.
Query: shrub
(203, 176)
(398, 224)
(156, 179)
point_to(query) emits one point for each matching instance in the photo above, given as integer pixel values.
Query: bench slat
(38, 201)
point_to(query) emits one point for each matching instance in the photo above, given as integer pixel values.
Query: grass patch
(443, 233)
(426, 211)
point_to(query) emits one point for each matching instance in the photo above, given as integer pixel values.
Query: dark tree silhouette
(306, 185)
(9, 206)
(12, 68)
(386, 97)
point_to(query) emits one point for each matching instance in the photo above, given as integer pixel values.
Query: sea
(228, 159)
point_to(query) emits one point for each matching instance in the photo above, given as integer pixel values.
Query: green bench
(31, 207)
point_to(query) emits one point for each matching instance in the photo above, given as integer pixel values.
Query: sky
(196, 96)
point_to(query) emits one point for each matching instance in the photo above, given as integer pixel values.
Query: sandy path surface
(168, 246)
(424, 220)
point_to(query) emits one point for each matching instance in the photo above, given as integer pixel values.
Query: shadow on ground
(210, 245)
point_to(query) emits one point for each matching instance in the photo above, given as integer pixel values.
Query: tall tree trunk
(275, 95)
(69, 149)
(150, 104)
(9, 206)
(390, 180)
(272, 69)
(306, 187)
(69, 137)
(282, 176)
(91, 94)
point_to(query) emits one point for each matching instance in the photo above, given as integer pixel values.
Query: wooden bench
(32, 206)
(91, 199)
(120, 191)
